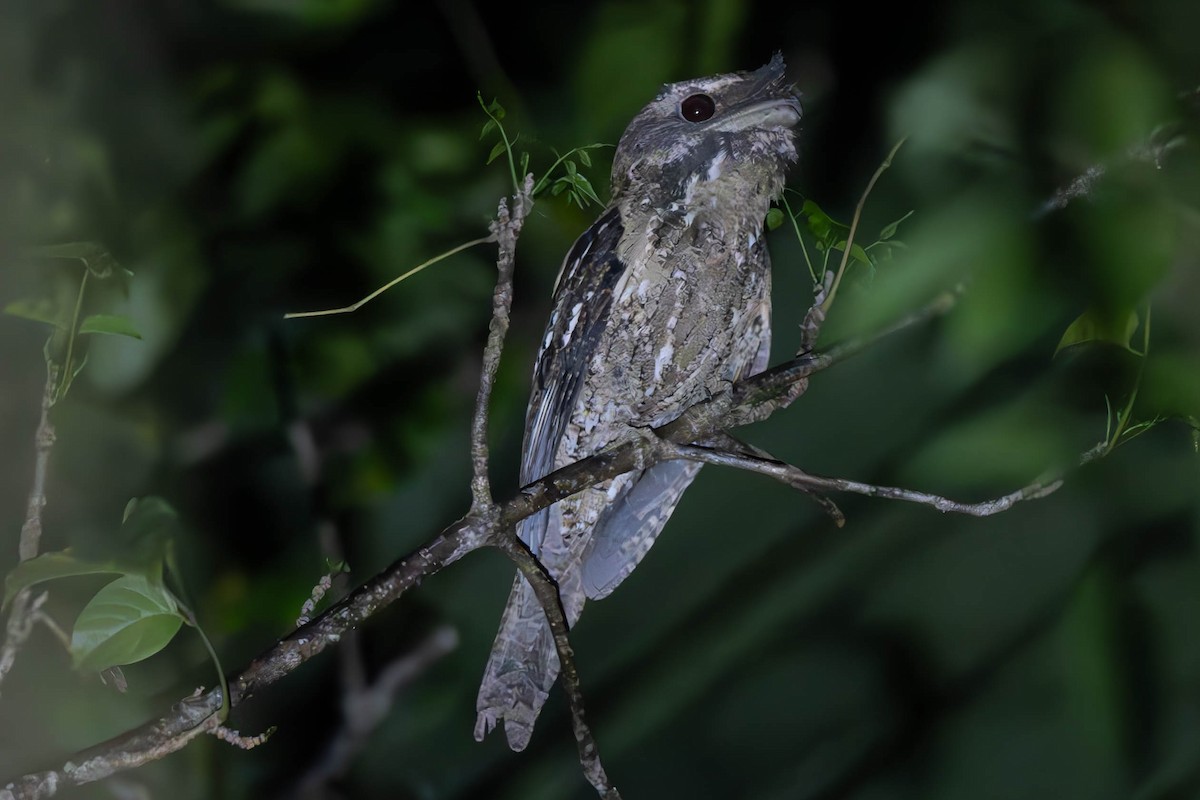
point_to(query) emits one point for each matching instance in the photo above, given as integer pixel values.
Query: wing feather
(582, 298)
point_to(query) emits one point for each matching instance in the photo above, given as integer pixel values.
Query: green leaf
(856, 253)
(1096, 326)
(94, 256)
(584, 186)
(41, 310)
(890, 229)
(822, 226)
(774, 218)
(496, 109)
(113, 324)
(487, 128)
(569, 165)
(128, 620)
(584, 158)
(524, 162)
(51, 566)
(149, 526)
(496, 151)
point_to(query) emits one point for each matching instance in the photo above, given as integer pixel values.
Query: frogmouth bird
(661, 303)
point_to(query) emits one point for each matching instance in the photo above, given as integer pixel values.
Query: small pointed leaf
(112, 324)
(496, 151)
(890, 229)
(42, 310)
(1095, 326)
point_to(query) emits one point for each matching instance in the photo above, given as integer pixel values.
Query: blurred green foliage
(253, 157)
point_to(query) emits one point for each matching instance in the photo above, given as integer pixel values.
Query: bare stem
(799, 479)
(505, 230)
(359, 304)
(858, 209)
(362, 711)
(31, 530)
(21, 615)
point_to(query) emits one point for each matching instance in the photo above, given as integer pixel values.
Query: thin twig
(1153, 149)
(20, 617)
(363, 711)
(858, 209)
(506, 228)
(547, 594)
(359, 304)
(799, 479)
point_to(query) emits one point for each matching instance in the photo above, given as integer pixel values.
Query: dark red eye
(697, 108)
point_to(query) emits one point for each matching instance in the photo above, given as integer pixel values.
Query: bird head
(726, 134)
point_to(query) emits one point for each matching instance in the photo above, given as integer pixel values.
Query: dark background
(252, 157)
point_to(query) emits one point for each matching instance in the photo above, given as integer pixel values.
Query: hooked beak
(778, 112)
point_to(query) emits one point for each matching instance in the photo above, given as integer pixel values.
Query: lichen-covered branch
(506, 228)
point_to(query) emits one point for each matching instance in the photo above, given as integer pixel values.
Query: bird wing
(582, 298)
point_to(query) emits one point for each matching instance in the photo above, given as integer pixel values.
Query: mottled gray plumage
(664, 300)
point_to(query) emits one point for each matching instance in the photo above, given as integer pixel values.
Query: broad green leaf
(487, 128)
(41, 310)
(94, 256)
(150, 524)
(774, 218)
(584, 158)
(113, 324)
(496, 151)
(128, 620)
(1095, 326)
(50, 566)
(860, 255)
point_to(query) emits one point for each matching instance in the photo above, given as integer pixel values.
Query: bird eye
(697, 108)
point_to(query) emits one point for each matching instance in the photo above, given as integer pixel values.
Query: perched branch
(752, 399)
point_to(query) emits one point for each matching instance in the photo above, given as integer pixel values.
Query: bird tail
(520, 671)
